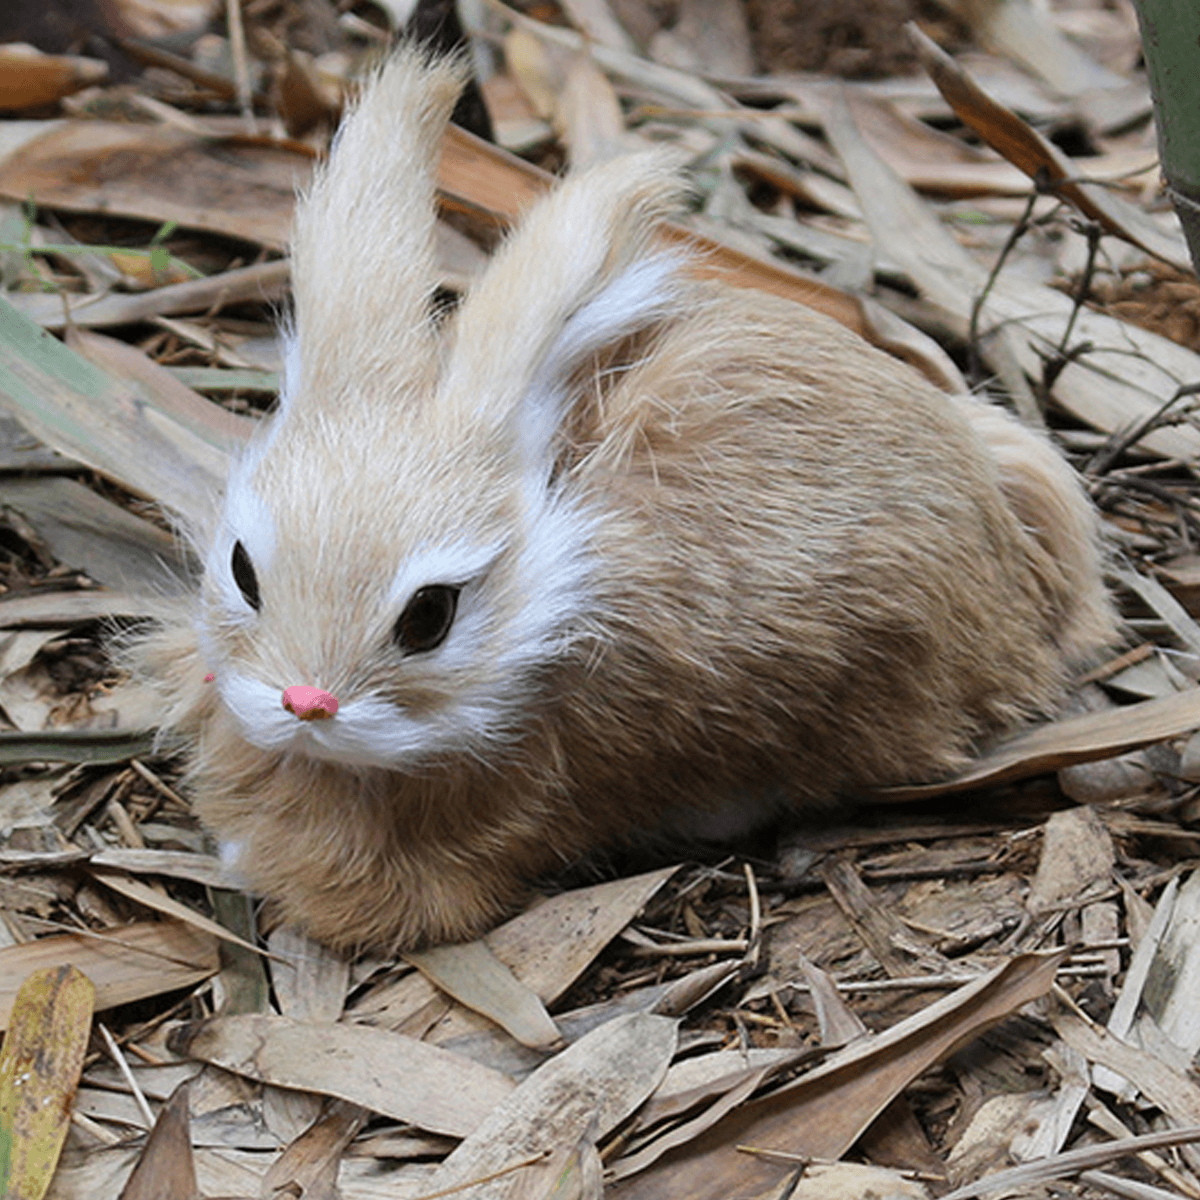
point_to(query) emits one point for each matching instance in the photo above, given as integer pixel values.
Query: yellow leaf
(39, 1071)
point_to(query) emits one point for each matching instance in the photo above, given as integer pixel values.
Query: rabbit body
(706, 556)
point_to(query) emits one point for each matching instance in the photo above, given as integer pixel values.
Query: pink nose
(309, 703)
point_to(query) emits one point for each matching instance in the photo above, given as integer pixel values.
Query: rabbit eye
(426, 618)
(244, 576)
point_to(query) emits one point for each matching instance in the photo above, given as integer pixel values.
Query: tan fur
(811, 572)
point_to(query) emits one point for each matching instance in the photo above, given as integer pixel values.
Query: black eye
(426, 618)
(244, 576)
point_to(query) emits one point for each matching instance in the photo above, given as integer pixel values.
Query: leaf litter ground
(978, 987)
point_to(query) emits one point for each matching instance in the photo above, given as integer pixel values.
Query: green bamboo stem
(1171, 44)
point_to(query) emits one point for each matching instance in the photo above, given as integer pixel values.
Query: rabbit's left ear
(576, 279)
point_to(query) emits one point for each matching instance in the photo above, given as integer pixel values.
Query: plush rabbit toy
(606, 554)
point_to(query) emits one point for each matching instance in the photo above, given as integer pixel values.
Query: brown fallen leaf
(30, 79)
(385, 1072)
(165, 1170)
(1073, 740)
(309, 1165)
(480, 180)
(231, 185)
(474, 976)
(1043, 162)
(70, 403)
(582, 1092)
(129, 962)
(40, 1067)
(822, 1113)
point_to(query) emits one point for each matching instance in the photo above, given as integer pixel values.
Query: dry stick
(241, 65)
(1063, 357)
(114, 1052)
(1015, 234)
(1126, 439)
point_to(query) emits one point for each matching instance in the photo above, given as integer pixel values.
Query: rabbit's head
(401, 554)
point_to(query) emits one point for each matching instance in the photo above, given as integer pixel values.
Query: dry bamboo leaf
(128, 962)
(73, 405)
(582, 1092)
(595, 19)
(822, 1113)
(309, 979)
(1176, 968)
(1126, 373)
(40, 1066)
(144, 894)
(1165, 1086)
(550, 945)
(588, 114)
(309, 1166)
(474, 976)
(165, 1169)
(546, 947)
(233, 186)
(477, 178)
(30, 79)
(175, 864)
(1077, 859)
(264, 283)
(88, 532)
(709, 37)
(1025, 33)
(1018, 1180)
(385, 1072)
(156, 385)
(1073, 740)
(62, 610)
(736, 1092)
(1027, 149)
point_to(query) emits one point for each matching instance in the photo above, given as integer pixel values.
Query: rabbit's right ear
(363, 242)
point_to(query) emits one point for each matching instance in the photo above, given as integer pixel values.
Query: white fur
(365, 732)
(453, 565)
(644, 291)
(246, 519)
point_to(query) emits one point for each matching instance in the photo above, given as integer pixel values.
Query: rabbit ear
(362, 252)
(576, 278)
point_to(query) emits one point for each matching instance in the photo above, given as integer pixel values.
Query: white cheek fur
(365, 732)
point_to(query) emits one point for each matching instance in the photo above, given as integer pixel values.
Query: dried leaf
(385, 1072)
(1073, 740)
(165, 1170)
(309, 979)
(126, 963)
(40, 1066)
(1027, 149)
(824, 1111)
(584, 1091)
(30, 79)
(474, 976)
(71, 404)
(143, 893)
(235, 186)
